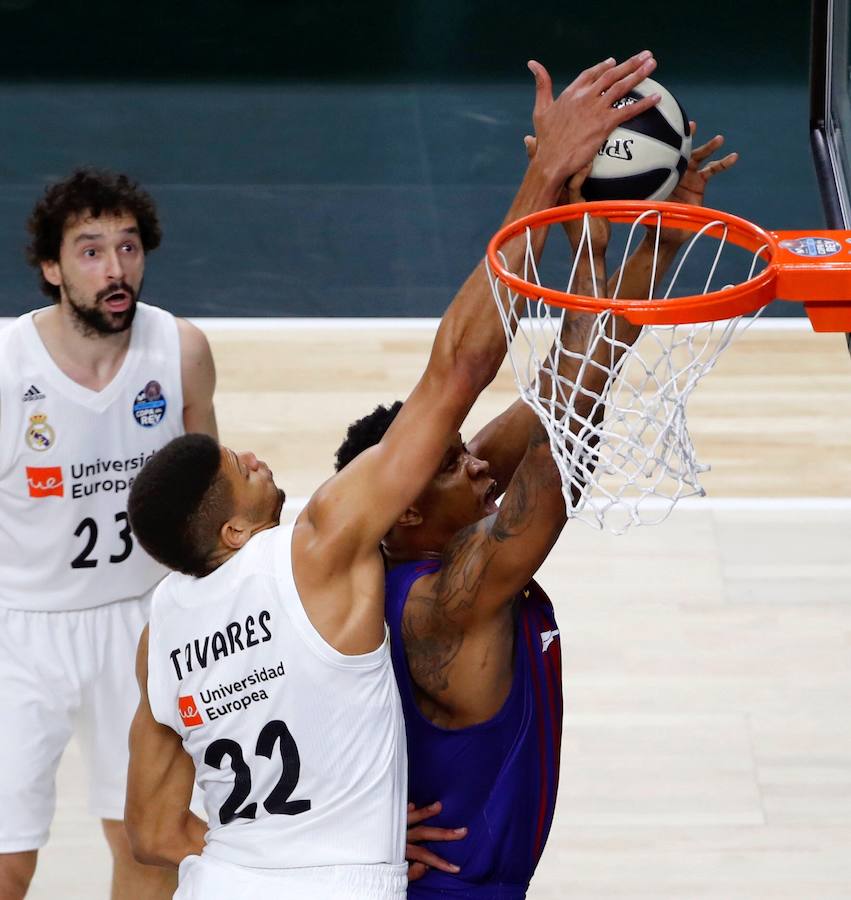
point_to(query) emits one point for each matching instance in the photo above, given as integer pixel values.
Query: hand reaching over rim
(571, 127)
(692, 185)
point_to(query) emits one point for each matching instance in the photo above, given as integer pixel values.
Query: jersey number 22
(278, 802)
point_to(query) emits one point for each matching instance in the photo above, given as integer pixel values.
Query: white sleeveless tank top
(68, 456)
(299, 749)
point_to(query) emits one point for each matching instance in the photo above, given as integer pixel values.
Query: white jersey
(68, 456)
(299, 749)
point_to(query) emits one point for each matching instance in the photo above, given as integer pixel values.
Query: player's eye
(90, 252)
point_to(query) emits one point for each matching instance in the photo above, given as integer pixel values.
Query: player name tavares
(235, 636)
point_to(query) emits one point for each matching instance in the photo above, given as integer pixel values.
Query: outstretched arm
(161, 829)
(489, 562)
(502, 442)
(361, 503)
(638, 271)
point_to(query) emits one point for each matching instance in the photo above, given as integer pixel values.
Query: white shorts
(207, 878)
(59, 670)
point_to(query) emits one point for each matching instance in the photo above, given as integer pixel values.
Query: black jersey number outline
(278, 802)
(82, 559)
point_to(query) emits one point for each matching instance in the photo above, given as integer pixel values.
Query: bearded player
(90, 387)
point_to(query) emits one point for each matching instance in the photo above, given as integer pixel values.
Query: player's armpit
(160, 827)
(198, 374)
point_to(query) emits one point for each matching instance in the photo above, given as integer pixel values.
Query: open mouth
(118, 302)
(119, 299)
(490, 498)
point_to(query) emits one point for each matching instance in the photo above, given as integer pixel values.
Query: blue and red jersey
(499, 777)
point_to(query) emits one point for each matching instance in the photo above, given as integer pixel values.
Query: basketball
(644, 158)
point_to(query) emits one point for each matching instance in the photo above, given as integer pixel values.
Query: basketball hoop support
(822, 283)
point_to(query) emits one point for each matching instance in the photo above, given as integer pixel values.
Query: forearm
(589, 272)
(638, 270)
(167, 841)
(471, 335)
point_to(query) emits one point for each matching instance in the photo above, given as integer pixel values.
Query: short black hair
(365, 433)
(179, 501)
(93, 191)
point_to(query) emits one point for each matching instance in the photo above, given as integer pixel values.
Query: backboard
(830, 109)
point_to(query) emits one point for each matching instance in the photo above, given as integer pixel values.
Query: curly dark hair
(93, 191)
(365, 433)
(179, 502)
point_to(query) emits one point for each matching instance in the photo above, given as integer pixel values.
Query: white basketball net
(629, 458)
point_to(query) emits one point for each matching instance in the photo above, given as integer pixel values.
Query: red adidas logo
(45, 481)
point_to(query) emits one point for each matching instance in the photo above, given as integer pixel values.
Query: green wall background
(381, 40)
(345, 159)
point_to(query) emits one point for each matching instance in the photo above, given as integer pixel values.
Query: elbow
(147, 843)
(465, 377)
(142, 845)
(479, 369)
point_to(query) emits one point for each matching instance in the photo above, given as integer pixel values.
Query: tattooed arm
(487, 563)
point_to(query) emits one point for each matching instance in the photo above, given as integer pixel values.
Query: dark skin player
(458, 623)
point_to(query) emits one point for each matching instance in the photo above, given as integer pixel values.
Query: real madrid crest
(40, 436)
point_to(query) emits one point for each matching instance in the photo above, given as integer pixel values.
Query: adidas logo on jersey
(33, 394)
(547, 638)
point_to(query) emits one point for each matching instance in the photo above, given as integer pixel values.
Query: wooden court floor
(707, 739)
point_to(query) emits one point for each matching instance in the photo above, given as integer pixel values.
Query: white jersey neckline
(94, 400)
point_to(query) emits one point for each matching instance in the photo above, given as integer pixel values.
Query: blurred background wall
(333, 158)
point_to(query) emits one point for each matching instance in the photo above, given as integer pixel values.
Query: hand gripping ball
(644, 158)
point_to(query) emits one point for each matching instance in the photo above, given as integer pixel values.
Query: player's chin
(120, 321)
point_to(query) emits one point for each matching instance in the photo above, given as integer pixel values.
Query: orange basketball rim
(811, 266)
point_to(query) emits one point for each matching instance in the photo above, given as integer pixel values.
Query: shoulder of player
(342, 501)
(446, 600)
(194, 346)
(12, 329)
(420, 613)
(325, 543)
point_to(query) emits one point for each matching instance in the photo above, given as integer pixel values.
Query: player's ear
(235, 532)
(410, 517)
(50, 270)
